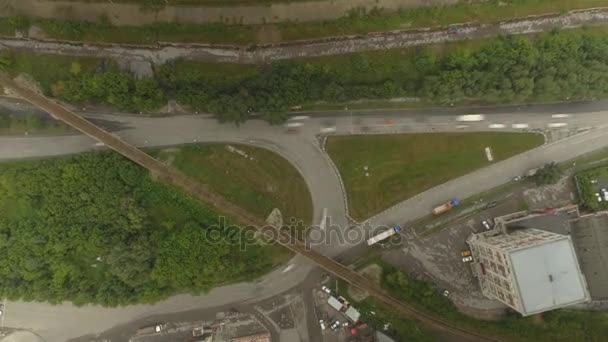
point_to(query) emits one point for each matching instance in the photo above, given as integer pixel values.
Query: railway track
(205, 195)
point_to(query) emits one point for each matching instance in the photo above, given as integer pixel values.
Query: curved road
(59, 323)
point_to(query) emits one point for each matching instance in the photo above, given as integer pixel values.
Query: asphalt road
(302, 148)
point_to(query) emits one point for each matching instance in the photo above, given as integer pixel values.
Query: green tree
(550, 173)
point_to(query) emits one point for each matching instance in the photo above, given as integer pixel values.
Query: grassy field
(356, 22)
(259, 185)
(589, 189)
(48, 69)
(401, 166)
(197, 2)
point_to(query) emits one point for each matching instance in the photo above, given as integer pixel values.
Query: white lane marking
(461, 126)
(323, 219)
(489, 154)
(300, 117)
(560, 116)
(496, 126)
(556, 124)
(288, 268)
(520, 125)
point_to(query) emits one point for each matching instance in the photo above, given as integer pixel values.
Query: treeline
(96, 228)
(554, 66)
(557, 66)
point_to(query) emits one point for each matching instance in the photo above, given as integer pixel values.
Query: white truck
(470, 118)
(384, 235)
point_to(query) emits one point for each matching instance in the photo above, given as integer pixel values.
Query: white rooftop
(352, 313)
(548, 276)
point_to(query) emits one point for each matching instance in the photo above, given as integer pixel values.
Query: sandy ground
(130, 14)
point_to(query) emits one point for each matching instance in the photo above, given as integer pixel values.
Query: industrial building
(530, 270)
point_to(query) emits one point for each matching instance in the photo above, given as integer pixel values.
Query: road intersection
(304, 150)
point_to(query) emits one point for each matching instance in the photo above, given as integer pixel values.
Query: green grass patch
(259, 181)
(401, 166)
(48, 69)
(589, 183)
(96, 228)
(357, 21)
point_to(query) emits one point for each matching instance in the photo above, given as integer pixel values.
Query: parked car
(516, 178)
(322, 324)
(467, 259)
(326, 289)
(605, 193)
(446, 293)
(486, 224)
(465, 253)
(335, 325)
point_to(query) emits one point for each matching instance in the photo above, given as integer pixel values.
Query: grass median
(253, 178)
(380, 171)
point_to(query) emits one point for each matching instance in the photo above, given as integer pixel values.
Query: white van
(470, 118)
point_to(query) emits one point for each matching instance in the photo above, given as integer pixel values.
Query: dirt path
(331, 46)
(130, 14)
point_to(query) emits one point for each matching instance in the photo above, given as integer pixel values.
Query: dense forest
(559, 65)
(95, 228)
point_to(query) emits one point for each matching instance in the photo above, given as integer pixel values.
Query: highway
(58, 323)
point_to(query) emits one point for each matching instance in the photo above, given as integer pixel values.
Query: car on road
(605, 194)
(491, 205)
(465, 253)
(322, 324)
(1, 309)
(326, 289)
(467, 259)
(294, 124)
(516, 178)
(486, 224)
(335, 325)
(300, 117)
(446, 293)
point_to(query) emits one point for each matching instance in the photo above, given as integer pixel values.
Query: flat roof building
(529, 270)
